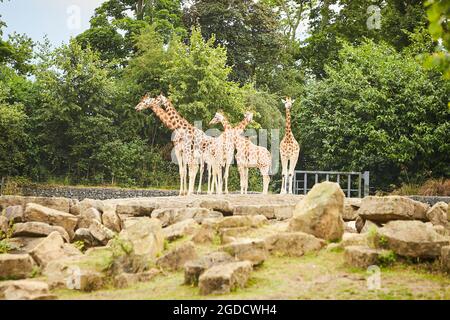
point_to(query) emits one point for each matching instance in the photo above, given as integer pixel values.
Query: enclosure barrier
(351, 187)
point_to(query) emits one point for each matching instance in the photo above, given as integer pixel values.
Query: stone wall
(94, 193)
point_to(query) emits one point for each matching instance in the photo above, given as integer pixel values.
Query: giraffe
(249, 155)
(289, 151)
(198, 149)
(174, 124)
(226, 140)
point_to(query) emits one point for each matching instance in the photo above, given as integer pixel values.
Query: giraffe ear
(293, 100)
(284, 101)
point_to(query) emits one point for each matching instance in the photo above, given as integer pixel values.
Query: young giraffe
(226, 140)
(174, 124)
(249, 155)
(289, 151)
(197, 151)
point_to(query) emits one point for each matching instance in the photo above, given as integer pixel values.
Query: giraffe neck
(242, 125)
(177, 119)
(288, 121)
(162, 115)
(226, 125)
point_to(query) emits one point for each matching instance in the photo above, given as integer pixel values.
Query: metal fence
(354, 184)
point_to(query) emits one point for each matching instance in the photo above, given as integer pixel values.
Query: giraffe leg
(193, 169)
(266, 180)
(284, 174)
(219, 179)
(241, 178)
(209, 178)
(180, 169)
(225, 177)
(246, 180)
(202, 167)
(293, 163)
(185, 172)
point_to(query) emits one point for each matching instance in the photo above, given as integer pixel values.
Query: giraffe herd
(194, 149)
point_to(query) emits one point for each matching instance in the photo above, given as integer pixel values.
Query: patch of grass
(80, 245)
(387, 258)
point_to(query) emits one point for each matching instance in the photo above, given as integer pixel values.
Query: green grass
(313, 276)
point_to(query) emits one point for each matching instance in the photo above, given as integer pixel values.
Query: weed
(387, 258)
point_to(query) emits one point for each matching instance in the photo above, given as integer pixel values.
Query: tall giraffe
(198, 149)
(173, 123)
(289, 151)
(226, 140)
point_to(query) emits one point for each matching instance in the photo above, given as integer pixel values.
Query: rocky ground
(322, 246)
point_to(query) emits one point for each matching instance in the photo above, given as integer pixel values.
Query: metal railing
(355, 187)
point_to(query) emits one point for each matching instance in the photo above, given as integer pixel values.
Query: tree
(249, 30)
(391, 21)
(379, 111)
(438, 12)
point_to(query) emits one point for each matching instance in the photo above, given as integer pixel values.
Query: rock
(74, 207)
(361, 256)
(38, 229)
(87, 204)
(52, 248)
(293, 243)
(445, 259)
(204, 214)
(111, 219)
(443, 231)
(86, 237)
(273, 211)
(100, 233)
(15, 266)
(241, 221)
(60, 204)
(224, 278)
(368, 226)
(38, 213)
(253, 250)
(85, 280)
(353, 239)
(194, 268)
(223, 206)
(125, 280)
(176, 258)
(22, 244)
(437, 214)
(351, 206)
(145, 234)
(320, 212)
(15, 214)
(137, 208)
(87, 216)
(359, 224)
(350, 226)
(4, 225)
(205, 234)
(225, 233)
(25, 290)
(411, 239)
(384, 209)
(180, 229)
(170, 216)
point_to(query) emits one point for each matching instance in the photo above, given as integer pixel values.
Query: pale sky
(58, 19)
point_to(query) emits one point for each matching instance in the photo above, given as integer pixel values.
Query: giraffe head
(218, 118)
(249, 116)
(288, 102)
(145, 102)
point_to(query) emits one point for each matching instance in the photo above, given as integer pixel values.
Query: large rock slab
(87, 216)
(351, 206)
(170, 216)
(411, 239)
(25, 290)
(361, 256)
(85, 236)
(137, 208)
(52, 248)
(177, 257)
(38, 229)
(38, 213)
(253, 250)
(194, 268)
(111, 219)
(293, 243)
(271, 211)
(145, 234)
(437, 214)
(181, 229)
(224, 278)
(254, 221)
(100, 233)
(220, 205)
(445, 259)
(16, 266)
(57, 203)
(14, 214)
(125, 280)
(320, 212)
(385, 209)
